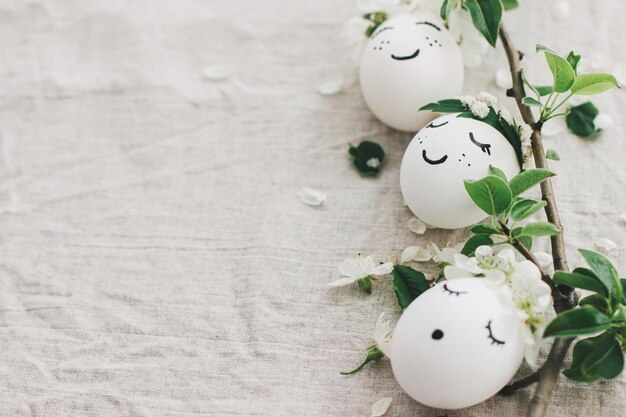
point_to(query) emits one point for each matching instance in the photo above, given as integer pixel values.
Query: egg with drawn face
(409, 61)
(447, 151)
(457, 344)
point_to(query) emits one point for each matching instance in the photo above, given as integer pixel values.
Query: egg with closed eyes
(440, 157)
(457, 344)
(409, 61)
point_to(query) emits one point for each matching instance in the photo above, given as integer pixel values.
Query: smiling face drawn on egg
(440, 157)
(409, 61)
(457, 344)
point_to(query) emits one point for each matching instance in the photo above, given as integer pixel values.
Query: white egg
(409, 61)
(457, 344)
(447, 151)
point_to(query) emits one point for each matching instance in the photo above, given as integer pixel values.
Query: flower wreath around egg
(466, 329)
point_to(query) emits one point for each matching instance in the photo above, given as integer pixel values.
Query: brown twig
(548, 375)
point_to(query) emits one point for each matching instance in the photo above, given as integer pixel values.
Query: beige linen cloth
(154, 257)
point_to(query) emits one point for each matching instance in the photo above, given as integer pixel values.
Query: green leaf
(539, 229)
(485, 229)
(605, 362)
(580, 120)
(623, 282)
(562, 72)
(486, 16)
(544, 90)
(474, 242)
(527, 179)
(447, 7)
(525, 208)
(408, 284)
(451, 105)
(497, 172)
(573, 60)
(577, 322)
(591, 84)
(581, 278)
(598, 301)
(602, 268)
(491, 194)
(510, 4)
(596, 358)
(367, 156)
(529, 101)
(553, 155)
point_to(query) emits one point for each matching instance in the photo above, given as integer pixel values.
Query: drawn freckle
(463, 154)
(469, 165)
(430, 44)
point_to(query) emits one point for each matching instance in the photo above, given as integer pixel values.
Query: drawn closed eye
(381, 31)
(494, 340)
(485, 147)
(452, 292)
(429, 24)
(432, 125)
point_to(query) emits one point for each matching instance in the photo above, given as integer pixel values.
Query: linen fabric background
(154, 257)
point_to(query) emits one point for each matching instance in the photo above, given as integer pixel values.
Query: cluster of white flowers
(480, 104)
(519, 282)
(526, 132)
(480, 107)
(358, 267)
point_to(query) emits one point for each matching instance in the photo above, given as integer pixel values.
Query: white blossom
(357, 267)
(479, 109)
(467, 100)
(380, 407)
(445, 255)
(382, 334)
(311, 196)
(487, 98)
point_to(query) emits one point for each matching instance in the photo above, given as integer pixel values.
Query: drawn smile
(404, 58)
(435, 161)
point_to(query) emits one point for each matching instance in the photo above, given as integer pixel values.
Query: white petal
(311, 196)
(603, 121)
(453, 272)
(544, 258)
(622, 218)
(341, 282)
(605, 245)
(422, 255)
(331, 86)
(348, 268)
(408, 254)
(216, 72)
(503, 78)
(417, 226)
(382, 269)
(559, 9)
(380, 407)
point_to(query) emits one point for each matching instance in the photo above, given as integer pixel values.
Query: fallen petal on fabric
(380, 407)
(311, 196)
(417, 226)
(216, 72)
(605, 245)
